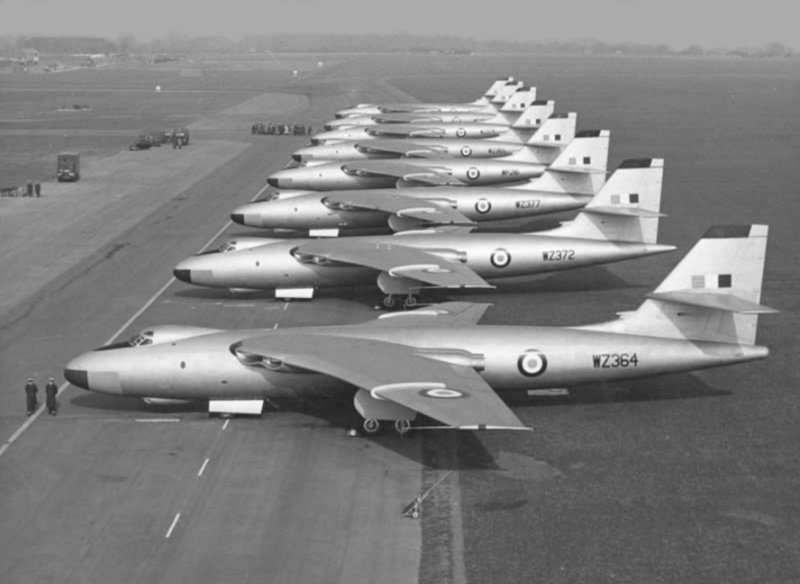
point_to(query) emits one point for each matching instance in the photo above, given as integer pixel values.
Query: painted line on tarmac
(35, 416)
(203, 468)
(157, 420)
(171, 527)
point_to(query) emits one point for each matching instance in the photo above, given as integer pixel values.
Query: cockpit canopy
(158, 335)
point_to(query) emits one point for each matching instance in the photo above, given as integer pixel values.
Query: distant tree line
(178, 44)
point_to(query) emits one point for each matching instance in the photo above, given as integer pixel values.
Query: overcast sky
(678, 23)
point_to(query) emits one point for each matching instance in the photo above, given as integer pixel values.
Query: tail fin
(557, 131)
(519, 101)
(504, 93)
(713, 294)
(627, 208)
(493, 89)
(532, 117)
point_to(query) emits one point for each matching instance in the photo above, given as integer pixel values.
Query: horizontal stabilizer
(578, 169)
(624, 211)
(706, 299)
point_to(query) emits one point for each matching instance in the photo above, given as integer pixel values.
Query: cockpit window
(227, 246)
(141, 339)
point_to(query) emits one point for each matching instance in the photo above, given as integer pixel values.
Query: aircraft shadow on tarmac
(440, 449)
(98, 401)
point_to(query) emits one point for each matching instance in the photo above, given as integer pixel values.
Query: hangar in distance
(613, 227)
(434, 361)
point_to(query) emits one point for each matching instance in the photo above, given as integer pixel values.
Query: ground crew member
(50, 391)
(30, 395)
(29, 189)
(38, 189)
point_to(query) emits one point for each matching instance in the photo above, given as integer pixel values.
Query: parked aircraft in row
(584, 156)
(497, 94)
(435, 361)
(613, 227)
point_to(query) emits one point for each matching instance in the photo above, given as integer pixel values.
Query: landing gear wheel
(410, 301)
(415, 513)
(371, 427)
(389, 301)
(402, 427)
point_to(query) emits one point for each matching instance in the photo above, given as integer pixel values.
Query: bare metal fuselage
(206, 367)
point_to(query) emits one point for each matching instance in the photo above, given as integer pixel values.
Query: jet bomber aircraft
(546, 141)
(497, 94)
(334, 212)
(614, 226)
(435, 361)
(509, 111)
(579, 156)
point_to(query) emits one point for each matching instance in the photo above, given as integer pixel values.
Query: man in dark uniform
(50, 391)
(37, 188)
(30, 395)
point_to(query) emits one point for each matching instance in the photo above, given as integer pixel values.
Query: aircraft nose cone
(182, 274)
(77, 377)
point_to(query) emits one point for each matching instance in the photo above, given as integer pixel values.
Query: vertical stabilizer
(522, 98)
(504, 93)
(627, 208)
(556, 132)
(532, 117)
(713, 294)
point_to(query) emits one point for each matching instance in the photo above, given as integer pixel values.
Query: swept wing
(433, 175)
(396, 260)
(400, 148)
(452, 394)
(400, 205)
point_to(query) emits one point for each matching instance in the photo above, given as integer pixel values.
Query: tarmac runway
(109, 490)
(689, 478)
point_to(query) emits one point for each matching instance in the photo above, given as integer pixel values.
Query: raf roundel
(473, 173)
(500, 258)
(466, 151)
(442, 393)
(483, 206)
(461, 132)
(532, 363)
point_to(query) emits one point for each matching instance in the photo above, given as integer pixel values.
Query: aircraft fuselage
(508, 358)
(277, 265)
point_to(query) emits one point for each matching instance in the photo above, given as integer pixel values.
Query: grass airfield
(688, 478)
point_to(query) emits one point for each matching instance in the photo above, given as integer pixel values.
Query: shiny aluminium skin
(437, 362)
(578, 155)
(616, 225)
(403, 209)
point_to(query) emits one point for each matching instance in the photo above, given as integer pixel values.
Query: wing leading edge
(396, 260)
(454, 395)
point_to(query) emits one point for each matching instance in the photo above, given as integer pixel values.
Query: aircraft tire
(410, 301)
(370, 427)
(402, 427)
(389, 301)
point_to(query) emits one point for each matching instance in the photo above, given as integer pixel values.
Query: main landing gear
(390, 301)
(373, 427)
